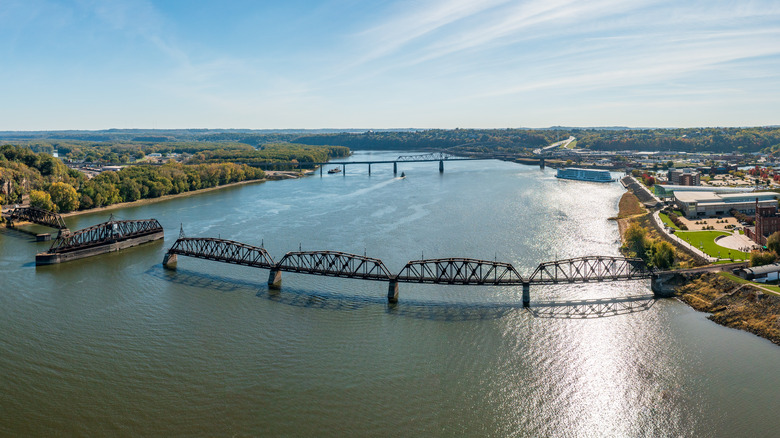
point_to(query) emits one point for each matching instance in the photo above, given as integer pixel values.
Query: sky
(287, 64)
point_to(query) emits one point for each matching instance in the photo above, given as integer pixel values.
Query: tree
(64, 196)
(636, 240)
(42, 200)
(663, 255)
(760, 258)
(773, 242)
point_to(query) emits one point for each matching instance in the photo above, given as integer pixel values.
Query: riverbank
(270, 176)
(731, 304)
(735, 305)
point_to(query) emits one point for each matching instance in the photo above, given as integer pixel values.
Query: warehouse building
(709, 204)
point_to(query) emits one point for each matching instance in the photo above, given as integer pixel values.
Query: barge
(101, 239)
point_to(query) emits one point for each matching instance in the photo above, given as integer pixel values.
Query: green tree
(64, 196)
(636, 241)
(663, 255)
(42, 200)
(773, 242)
(760, 258)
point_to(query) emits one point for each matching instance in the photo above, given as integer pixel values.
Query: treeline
(52, 186)
(273, 153)
(127, 144)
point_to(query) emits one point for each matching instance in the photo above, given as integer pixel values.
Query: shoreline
(738, 306)
(270, 176)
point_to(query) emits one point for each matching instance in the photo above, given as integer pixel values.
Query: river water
(115, 345)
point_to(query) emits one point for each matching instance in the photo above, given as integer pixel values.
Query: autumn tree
(64, 196)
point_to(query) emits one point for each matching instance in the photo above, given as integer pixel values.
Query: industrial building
(708, 204)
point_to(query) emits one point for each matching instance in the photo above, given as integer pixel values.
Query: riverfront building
(684, 177)
(707, 204)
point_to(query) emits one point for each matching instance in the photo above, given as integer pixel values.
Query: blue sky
(97, 64)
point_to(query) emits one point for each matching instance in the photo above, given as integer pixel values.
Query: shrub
(760, 258)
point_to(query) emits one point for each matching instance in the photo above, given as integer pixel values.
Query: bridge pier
(369, 169)
(441, 166)
(321, 169)
(392, 291)
(395, 167)
(169, 261)
(541, 163)
(275, 279)
(526, 294)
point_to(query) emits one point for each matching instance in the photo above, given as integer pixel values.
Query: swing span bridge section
(453, 271)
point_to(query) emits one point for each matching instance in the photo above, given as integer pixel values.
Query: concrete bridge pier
(441, 166)
(321, 169)
(392, 291)
(664, 284)
(344, 169)
(169, 261)
(541, 163)
(395, 167)
(275, 279)
(369, 168)
(526, 294)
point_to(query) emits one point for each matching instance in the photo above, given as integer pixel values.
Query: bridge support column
(321, 169)
(169, 261)
(395, 167)
(369, 169)
(275, 279)
(541, 163)
(441, 166)
(526, 294)
(392, 291)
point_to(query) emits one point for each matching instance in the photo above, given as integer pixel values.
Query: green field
(741, 280)
(668, 222)
(705, 240)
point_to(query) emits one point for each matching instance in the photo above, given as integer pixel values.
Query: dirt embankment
(735, 305)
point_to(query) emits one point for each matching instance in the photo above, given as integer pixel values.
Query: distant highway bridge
(458, 271)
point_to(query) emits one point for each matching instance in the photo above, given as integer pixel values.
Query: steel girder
(107, 232)
(38, 216)
(459, 271)
(334, 264)
(592, 268)
(227, 251)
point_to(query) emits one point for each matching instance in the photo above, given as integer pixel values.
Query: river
(115, 345)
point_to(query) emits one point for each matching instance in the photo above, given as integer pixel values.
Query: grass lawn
(741, 280)
(668, 222)
(705, 240)
(572, 145)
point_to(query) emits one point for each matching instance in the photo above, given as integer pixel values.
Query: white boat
(592, 175)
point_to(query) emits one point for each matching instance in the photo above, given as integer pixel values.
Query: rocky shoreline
(736, 305)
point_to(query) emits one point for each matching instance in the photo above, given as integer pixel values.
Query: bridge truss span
(334, 264)
(104, 233)
(434, 156)
(459, 271)
(222, 250)
(38, 216)
(591, 268)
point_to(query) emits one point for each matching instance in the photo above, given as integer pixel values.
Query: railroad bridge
(38, 216)
(459, 271)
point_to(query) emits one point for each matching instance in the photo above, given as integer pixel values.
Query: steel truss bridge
(107, 232)
(441, 157)
(37, 216)
(457, 271)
